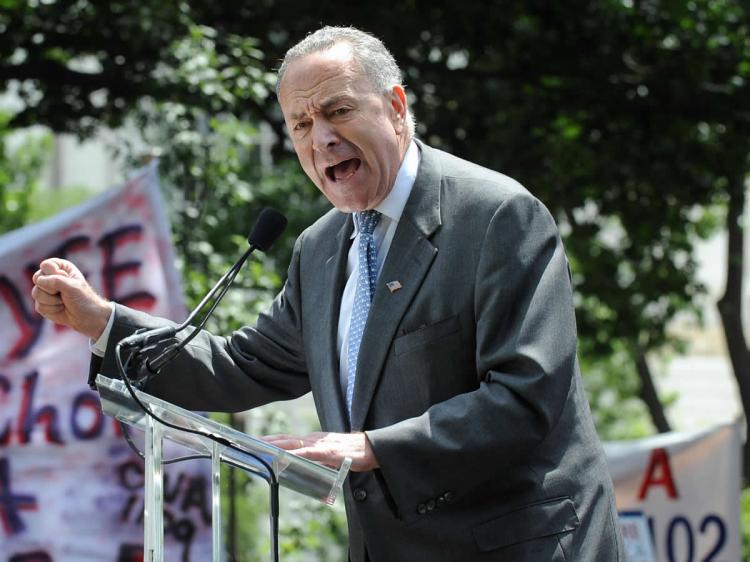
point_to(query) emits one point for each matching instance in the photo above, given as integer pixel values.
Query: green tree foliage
(84, 63)
(606, 111)
(216, 175)
(624, 117)
(185, 93)
(216, 186)
(21, 165)
(628, 118)
(80, 64)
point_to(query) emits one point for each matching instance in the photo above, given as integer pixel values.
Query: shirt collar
(393, 205)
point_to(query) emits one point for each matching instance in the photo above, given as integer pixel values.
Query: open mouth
(343, 170)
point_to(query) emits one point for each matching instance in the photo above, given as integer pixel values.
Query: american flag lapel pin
(393, 286)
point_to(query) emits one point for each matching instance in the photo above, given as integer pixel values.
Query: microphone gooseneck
(266, 230)
(148, 337)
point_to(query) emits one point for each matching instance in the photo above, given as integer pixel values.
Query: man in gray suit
(437, 335)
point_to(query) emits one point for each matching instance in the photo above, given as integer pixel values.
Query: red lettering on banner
(112, 271)
(73, 244)
(28, 417)
(90, 401)
(35, 556)
(83, 426)
(658, 473)
(5, 433)
(130, 553)
(180, 497)
(29, 322)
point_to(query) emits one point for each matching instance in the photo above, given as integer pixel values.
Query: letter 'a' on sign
(658, 473)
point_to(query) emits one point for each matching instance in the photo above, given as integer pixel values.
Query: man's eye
(300, 126)
(341, 111)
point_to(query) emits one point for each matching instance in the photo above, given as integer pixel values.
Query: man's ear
(398, 105)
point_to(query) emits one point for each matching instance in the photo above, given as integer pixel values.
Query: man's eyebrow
(334, 100)
(324, 105)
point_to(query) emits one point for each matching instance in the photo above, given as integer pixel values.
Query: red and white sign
(687, 487)
(70, 488)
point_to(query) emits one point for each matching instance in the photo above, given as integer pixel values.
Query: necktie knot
(367, 221)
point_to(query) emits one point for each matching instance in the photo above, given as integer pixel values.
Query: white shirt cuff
(99, 347)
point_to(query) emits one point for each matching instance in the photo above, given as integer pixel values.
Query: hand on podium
(329, 449)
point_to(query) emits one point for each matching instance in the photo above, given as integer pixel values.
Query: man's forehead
(334, 69)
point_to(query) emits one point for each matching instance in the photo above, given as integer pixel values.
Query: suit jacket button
(430, 505)
(421, 509)
(360, 494)
(449, 497)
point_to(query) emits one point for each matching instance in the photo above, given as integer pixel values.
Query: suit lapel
(329, 390)
(409, 259)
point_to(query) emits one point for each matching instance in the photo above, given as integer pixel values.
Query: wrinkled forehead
(330, 72)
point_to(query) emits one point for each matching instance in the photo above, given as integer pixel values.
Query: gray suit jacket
(468, 385)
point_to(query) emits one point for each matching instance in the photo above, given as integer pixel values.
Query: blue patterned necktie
(367, 274)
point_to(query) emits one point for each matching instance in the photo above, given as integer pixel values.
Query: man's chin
(344, 200)
(352, 197)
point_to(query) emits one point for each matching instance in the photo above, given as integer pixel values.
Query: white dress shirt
(391, 208)
(99, 347)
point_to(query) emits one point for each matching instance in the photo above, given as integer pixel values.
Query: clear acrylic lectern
(293, 472)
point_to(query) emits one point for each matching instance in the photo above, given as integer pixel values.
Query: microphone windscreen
(269, 226)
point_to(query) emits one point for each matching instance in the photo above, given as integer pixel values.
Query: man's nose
(324, 136)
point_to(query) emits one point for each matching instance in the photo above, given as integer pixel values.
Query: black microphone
(267, 229)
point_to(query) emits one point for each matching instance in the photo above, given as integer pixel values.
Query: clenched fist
(61, 294)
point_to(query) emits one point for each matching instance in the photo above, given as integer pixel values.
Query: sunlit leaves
(21, 166)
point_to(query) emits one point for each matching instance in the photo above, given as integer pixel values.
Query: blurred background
(629, 119)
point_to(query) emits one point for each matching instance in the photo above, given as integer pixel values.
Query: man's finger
(53, 284)
(57, 266)
(43, 297)
(276, 437)
(49, 311)
(288, 443)
(67, 268)
(50, 267)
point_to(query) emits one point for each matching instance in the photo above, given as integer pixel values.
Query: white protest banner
(70, 488)
(687, 486)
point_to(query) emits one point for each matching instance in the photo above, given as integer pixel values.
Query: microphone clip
(141, 347)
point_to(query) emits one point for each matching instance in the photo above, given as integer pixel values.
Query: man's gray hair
(376, 60)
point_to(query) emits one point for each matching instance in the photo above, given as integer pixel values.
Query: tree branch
(730, 304)
(648, 394)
